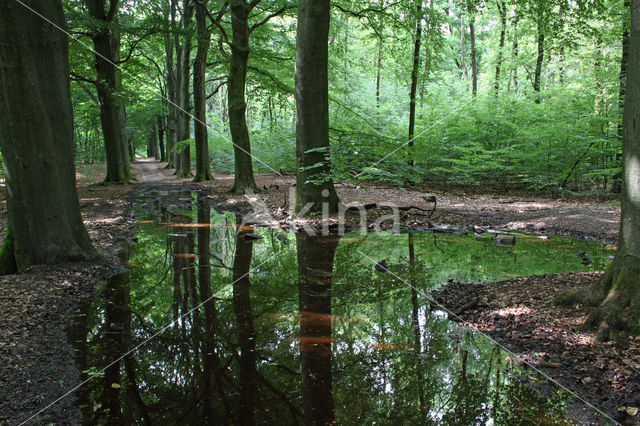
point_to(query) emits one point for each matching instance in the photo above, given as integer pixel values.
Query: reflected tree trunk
(244, 324)
(315, 275)
(415, 321)
(117, 317)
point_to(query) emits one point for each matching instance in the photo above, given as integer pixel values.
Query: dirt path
(582, 219)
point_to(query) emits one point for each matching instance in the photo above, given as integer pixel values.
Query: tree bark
(203, 170)
(314, 180)
(502, 10)
(618, 292)
(106, 43)
(474, 59)
(539, 62)
(515, 49)
(36, 138)
(172, 116)
(414, 81)
(463, 49)
(244, 178)
(617, 179)
(161, 133)
(183, 70)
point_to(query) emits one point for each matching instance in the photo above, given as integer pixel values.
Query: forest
(320, 212)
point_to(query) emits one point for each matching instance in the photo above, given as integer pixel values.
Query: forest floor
(36, 307)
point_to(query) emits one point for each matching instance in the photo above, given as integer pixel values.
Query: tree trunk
(414, 80)
(172, 116)
(617, 179)
(244, 179)
(463, 50)
(474, 59)
(106, 43)
(618, 292)
(515, 49)
(539, 62)
(314, 180)
(502, 10)
(183, 66)
(203, 170)
(378, 73)
(161, 133)
(315, 276)
(36, 137)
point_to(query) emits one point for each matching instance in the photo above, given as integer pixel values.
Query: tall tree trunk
(515, 49)
(378, 73)
(474, 59)
(161, 133)
(539, 61)
(203, 170)
(618, 292)
(463, 49)
(617, 179)
(106, 43)
(36, 138)
(244, 179)
(314, 181)
(315, 275)
(561, 56)
(172, 116)
(183, 66)
(502, 10)
(414, 80)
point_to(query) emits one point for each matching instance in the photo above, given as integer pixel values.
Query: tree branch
(135, 44)
(77, 77)
(273, 15)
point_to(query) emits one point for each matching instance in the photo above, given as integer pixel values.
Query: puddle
(299, 329)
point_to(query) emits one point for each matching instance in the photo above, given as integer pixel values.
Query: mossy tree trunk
(314, 182)
(106, 43)
(203, 170)
(244, 178)
(617, 294)
(36, 137)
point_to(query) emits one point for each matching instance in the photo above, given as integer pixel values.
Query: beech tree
(36, 137)
(617, 294)
(314, 183)
(203, 170)
(106, 43)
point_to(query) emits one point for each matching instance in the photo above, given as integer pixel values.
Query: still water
(219, 323)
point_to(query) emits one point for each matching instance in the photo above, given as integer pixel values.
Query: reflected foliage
(295, 329)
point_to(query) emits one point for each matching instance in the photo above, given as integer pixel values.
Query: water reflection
(221, 328)
(315, 275)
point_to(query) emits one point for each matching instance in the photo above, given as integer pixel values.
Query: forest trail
(150, 170)
(577, 218)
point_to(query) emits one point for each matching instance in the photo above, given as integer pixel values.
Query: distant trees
(36, 138)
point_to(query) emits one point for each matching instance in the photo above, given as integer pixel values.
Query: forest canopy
(522, 93)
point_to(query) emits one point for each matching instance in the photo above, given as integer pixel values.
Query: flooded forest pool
(216, 322)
